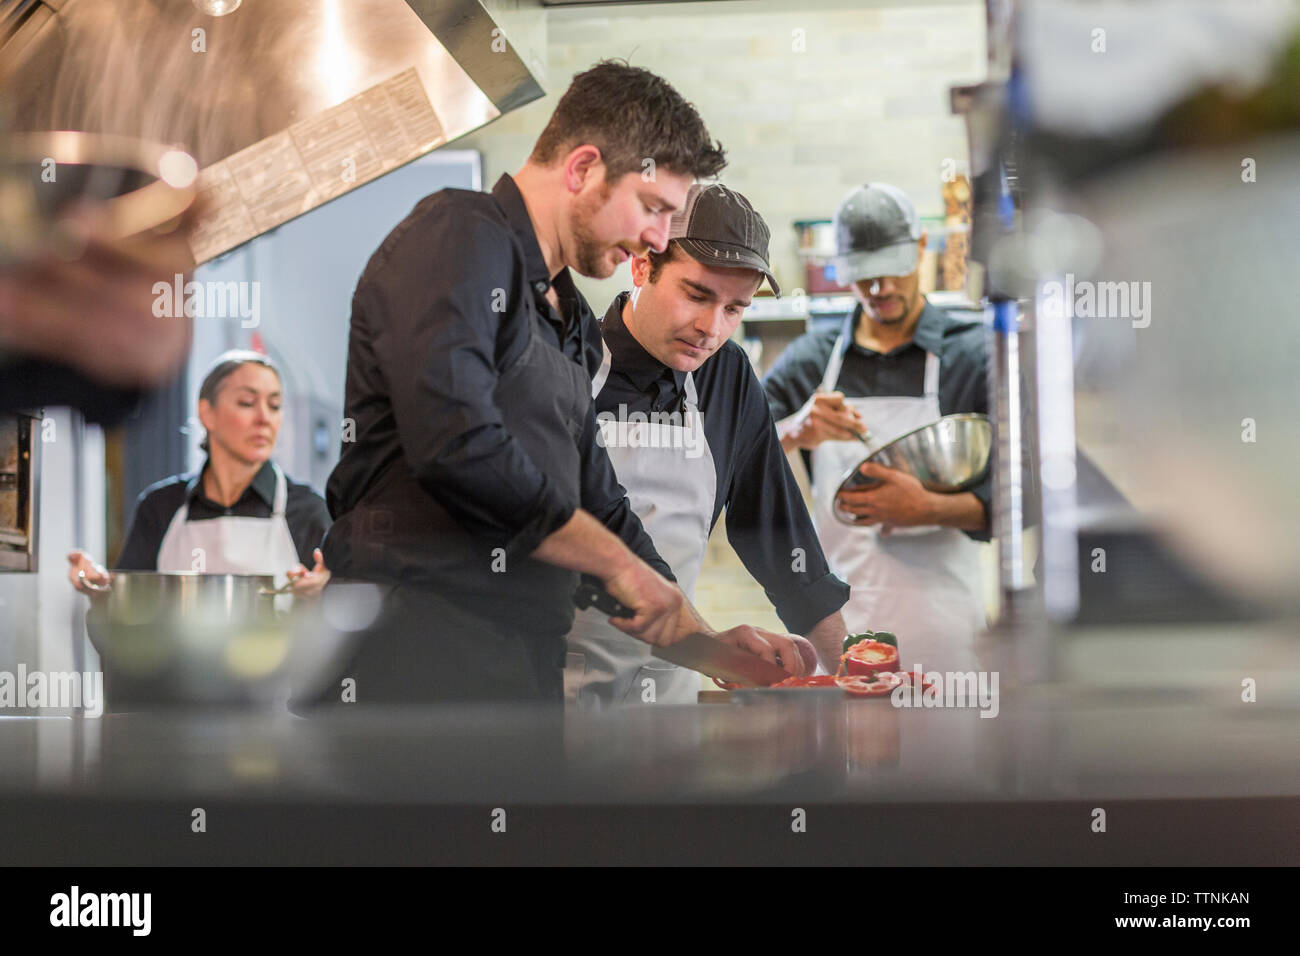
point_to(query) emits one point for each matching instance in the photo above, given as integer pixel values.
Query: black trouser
(425, 649)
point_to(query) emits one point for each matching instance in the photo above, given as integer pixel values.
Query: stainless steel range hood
(286, 104)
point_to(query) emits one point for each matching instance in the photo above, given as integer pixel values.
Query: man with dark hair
(685, 422)
(897, 363)
(475, 487)
(636, 120)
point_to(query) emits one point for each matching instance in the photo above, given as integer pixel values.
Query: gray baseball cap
(718, 227)
(876, 231)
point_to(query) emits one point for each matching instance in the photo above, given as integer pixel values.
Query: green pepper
(855, 638)
(885, 637)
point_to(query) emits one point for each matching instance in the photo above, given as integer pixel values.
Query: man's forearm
(584, 544)
(962, 511)
(828, 638)
(621, 521)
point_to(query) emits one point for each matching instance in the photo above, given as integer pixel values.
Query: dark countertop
(1156, 730)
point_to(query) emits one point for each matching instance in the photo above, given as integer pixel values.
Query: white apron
(671, 484)
(921, 583)
(231, 544)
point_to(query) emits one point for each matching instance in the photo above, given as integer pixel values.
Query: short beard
(588, 253)
(908, 306)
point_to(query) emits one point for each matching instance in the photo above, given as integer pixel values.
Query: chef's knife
(698, 651)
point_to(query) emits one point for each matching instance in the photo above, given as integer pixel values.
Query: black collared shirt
(445, 305)
(304, 513)
(963, 364)
(767, 522)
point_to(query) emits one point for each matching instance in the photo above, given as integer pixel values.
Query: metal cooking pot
(947, 456)
(189, 637)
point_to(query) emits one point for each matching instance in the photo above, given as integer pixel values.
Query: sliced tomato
(870, 657)
(819, 680)
(873, 685)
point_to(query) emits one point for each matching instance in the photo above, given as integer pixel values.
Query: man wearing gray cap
(686, 425)
(897, 363)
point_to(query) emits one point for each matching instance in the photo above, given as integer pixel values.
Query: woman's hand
(79, 562)
(310, 583)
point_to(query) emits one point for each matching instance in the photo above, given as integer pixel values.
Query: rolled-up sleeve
(440, 338)
(606, 499)
(770, 528)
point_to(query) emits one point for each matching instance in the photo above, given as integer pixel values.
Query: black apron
(455, 625)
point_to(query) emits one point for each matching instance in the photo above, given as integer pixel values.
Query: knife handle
(591, 595)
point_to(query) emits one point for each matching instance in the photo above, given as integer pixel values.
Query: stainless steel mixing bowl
(946, 456)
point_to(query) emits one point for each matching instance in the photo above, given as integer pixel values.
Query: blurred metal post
(1007, 401)
(1058, 472)
(993, 112)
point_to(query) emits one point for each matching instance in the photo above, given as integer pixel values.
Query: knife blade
(697, 652)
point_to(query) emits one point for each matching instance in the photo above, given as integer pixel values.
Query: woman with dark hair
(238, 514)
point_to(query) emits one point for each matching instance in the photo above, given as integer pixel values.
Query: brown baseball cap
(718, 227)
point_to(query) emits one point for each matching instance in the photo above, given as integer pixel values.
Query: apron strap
(179, 519)
(692, 397)
(602, 373)
(281, 492)
(931, 375)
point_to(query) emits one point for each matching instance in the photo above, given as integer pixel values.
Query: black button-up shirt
(963, 369)
(304, 513)
(445, 305)
(766, 517)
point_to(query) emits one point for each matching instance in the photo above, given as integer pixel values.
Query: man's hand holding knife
(678, 618)
(662, 613)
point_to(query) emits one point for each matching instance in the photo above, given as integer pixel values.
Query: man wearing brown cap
(686, 424)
